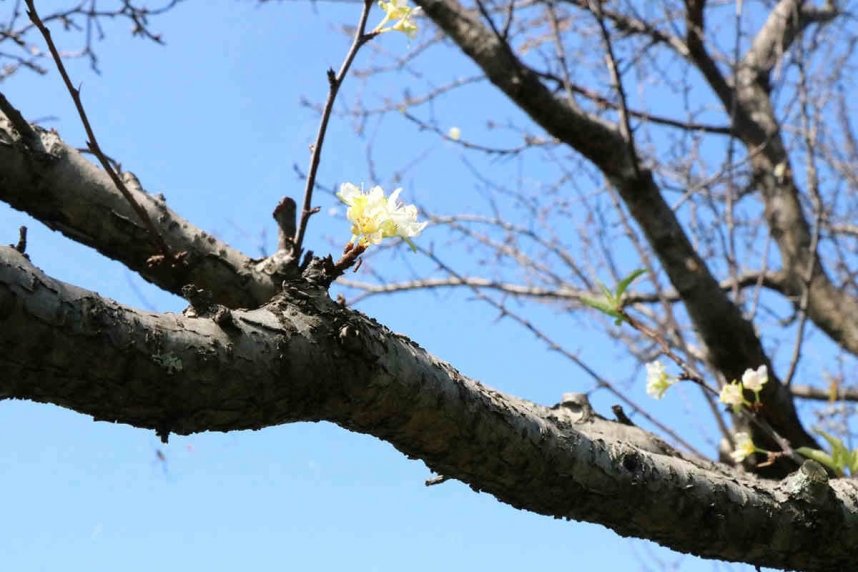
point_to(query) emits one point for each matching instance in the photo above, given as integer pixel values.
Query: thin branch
(562, 293)
(819, 394)
(92, 143)
(600, 381)
(595, 7)
(335, 81)
(809, 136)
(650, 117)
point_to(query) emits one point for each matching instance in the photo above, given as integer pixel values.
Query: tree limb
(824, 394)
(832, 309)
(730, 339)
(303, 357)
(52, 182)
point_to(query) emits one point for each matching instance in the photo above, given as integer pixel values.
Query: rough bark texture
(52, 182)
(304, 357)
(295, 355)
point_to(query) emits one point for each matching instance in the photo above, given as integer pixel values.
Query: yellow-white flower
(755, 379)
(744, 447)
(400, 14)
(454, 133)
(731, 394)
(402, 220)
(657, 380)
(375, 217)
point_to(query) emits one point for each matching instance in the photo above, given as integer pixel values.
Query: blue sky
(214, 121)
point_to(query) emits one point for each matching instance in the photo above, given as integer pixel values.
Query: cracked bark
(303, 357)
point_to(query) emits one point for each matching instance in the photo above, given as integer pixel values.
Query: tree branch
(785, 22)
(820, 394)
(303, 357)
(52, 182)
(832, 309)
(751, 279)
(730, 339)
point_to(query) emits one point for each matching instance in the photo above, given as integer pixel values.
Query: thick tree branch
(303, 357)
(730, 339)
(52, 182)
(832, 309)
(785, 22)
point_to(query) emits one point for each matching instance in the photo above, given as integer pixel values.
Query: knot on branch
(203, 306)
(808, 483)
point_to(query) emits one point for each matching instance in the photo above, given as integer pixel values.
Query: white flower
(731, 394)
(454, 133)
(402, 220)
(657, 380)
(744, 447)
(399, 12)
(755, 379)
(375, 217)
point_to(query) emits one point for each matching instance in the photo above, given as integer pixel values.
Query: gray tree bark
(263, 344)
(302, 357)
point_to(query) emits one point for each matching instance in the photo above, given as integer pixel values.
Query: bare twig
(335, 81)
(21, 245)
(560, 293)
(600, 381)
(92, 143)
(809, 136)
(819, 394)
(610, 59)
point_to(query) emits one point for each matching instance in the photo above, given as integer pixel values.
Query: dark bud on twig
(22, 242)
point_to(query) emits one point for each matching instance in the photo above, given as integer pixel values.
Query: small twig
(351, 255)
(437, 480)
(621, 416)
(810, 136)
(688, 371)
(335, 80)
(818, 394)
(284, 214)
(21, 246)
(92, 143)
(595, 6)
(554, 346)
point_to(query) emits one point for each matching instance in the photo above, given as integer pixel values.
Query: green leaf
(853, 465)
(606, 292)
(623, 284)
(840, 455)
(611, 301)
(604, 306)
(819, 457)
